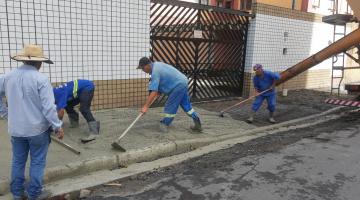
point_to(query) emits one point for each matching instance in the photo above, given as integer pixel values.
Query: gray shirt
(31, 104)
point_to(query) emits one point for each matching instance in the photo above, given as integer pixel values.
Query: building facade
(284, 32)
(103, 40)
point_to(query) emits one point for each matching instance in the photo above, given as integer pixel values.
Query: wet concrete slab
(113, 122)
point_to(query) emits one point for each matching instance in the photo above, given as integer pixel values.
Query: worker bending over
(72, 93)
(166, 79)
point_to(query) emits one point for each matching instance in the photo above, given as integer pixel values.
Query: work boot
(251, 117)
(163, 128)
(45, 194)
(74, 123)
(94, 128)
(197, 126)
(271, 118)
(23, 197)
(250, 120)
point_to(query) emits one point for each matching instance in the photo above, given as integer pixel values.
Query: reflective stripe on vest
(76, 88)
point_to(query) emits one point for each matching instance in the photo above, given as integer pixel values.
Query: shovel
(221, 114)
(116, 144)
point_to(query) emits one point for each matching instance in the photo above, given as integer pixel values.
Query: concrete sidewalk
(144, 134)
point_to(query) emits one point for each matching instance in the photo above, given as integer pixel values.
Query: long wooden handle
(243, 101)
(131, 125)
(63, 144)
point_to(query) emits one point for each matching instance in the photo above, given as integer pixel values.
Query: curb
(151, 153)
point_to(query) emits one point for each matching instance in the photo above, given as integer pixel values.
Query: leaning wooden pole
(335, 48)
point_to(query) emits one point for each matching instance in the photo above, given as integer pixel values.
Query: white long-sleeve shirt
(31, 104)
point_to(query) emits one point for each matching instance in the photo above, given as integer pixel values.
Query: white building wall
(97, 40)
(267, 38)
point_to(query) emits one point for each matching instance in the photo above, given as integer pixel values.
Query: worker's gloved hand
(144, 109)
(60, 133)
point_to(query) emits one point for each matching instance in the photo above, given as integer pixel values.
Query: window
(286, 36)
(245, 4)
(332, 5)
(228, 4)
(248, 4)
(316, 4)
(204, 2)
(285, 51)
(293, 4)
(242, 5)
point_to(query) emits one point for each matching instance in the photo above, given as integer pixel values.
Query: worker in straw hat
(166, 79)
(32, 117)
(264, 80)
(72, 93)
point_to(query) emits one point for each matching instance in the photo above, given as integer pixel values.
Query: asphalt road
(315, 163)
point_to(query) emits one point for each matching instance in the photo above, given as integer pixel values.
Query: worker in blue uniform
(166, 79)
(72, 93)
(262, 81)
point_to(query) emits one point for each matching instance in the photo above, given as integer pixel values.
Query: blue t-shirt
(164, 78)
(265, 82)
(67, 92)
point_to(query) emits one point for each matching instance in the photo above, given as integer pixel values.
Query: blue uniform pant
(178, 97)
(38, 148)
(84, 99)
(271, 101)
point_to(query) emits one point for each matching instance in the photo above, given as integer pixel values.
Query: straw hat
(31, 52)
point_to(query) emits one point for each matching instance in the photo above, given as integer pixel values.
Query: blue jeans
(271, 101)
(38, 148)
(178, 97)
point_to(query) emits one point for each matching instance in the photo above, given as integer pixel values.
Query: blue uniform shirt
(164, 78)
(265, 82)
(70, 90)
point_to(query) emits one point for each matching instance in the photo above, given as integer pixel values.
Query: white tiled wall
(266, 41)
(97, 40)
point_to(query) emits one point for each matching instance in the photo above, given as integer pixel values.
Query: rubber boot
(23, 197)
(73, 123)
(271, 118)
(163, 128)
(251, 117)
(45, 194)
(94, 132)
(197, 125)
